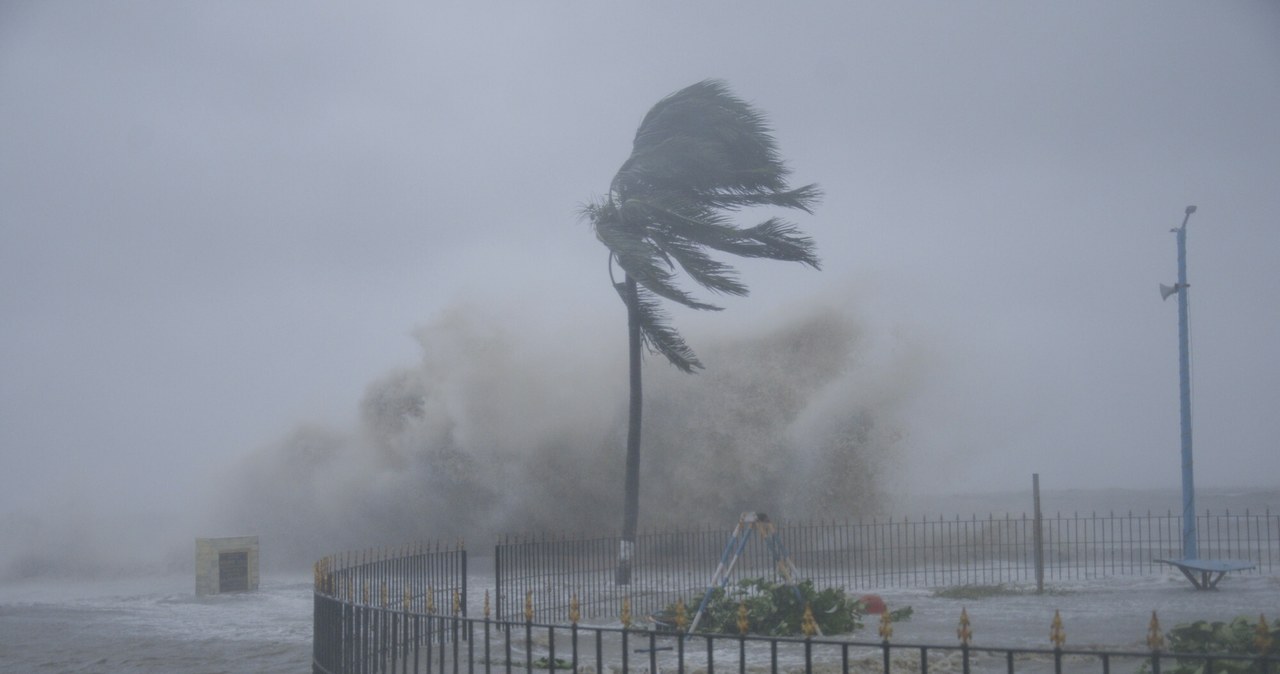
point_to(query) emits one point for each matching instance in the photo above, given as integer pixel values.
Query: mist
(316, 273)
(493, 432)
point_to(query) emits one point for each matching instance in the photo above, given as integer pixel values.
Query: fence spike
(1057, 634)
(682, 616)
(963, 632)
(1155, 638)
(886, 625)
(1263, 638)
(807, 624)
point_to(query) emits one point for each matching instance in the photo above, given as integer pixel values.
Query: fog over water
(316, 273)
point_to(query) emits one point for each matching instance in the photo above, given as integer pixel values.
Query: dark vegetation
(776, 609)
(1241, 636)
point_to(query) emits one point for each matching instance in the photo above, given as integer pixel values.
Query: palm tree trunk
(631, 499)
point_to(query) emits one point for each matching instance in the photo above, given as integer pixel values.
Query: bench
(1209, 571)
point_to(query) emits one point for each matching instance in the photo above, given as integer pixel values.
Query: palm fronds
(700, 155)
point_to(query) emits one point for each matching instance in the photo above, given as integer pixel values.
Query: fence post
(1038, 533)
(497, 580)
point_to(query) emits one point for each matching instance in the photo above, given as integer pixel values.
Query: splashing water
(491, 433)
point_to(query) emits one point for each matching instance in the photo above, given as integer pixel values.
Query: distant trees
(700, 155)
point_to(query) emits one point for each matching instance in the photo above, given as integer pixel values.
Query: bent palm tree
(700, 155)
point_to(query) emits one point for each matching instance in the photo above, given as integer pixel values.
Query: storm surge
(495, 431)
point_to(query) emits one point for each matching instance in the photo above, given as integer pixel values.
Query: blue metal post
(1190, 547)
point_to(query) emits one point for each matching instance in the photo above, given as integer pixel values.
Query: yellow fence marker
(1155, 638)
(1057, 634)
(807, 624)
(886, 625)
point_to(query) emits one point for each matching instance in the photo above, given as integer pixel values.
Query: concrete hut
(226, 565)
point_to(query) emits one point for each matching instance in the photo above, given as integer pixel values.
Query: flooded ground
(157, 624)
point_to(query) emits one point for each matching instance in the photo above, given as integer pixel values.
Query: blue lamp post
(1190, 548)
(1204, 574)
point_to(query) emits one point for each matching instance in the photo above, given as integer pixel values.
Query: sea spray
(490, 434)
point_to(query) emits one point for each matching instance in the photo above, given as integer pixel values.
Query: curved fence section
(378, 610)
(405, 610)
(434, 644)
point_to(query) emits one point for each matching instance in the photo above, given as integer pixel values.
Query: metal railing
(405, 610)
(409, 641)
(375, 608)
(872, 554)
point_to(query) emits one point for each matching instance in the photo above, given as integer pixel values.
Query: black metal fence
(408, 641)
(375, 608)
(871, 554)
(405, 610)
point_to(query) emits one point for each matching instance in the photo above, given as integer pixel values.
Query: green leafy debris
(1241, 636)
(776, 609)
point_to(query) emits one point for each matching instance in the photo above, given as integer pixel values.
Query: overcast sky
(219, 221)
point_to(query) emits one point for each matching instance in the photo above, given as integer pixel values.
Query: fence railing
(406, 610)
(389, 639)
(375, 607)
(871, 554)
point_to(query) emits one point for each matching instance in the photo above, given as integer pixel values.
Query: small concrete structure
(226, 565)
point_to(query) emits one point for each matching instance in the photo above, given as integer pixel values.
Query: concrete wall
(208, 553)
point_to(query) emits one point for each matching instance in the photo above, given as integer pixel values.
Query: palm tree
(700, 155)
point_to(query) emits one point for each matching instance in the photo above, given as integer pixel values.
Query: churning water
(154, 625)
(157, 624)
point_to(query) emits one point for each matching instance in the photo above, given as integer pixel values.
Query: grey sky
(221, 220)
